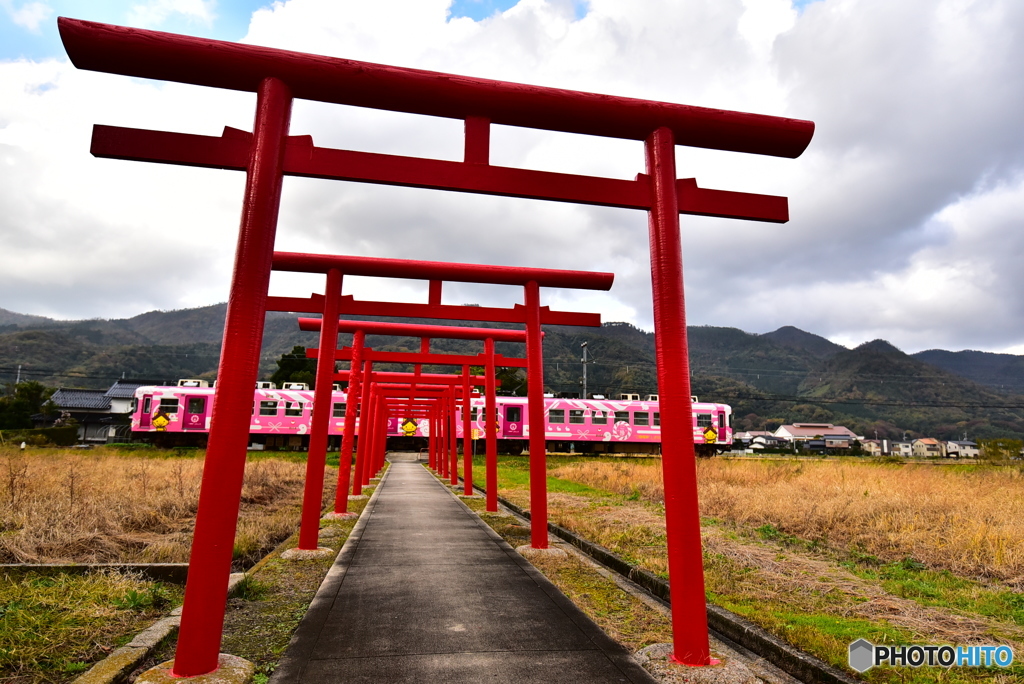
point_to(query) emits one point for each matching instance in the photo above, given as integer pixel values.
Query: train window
(641, 418)
(339, 409)
(268, 408)
(293, 408)
(147, 404)
(721, 421)
(599, 417)
(556, 416)
(657, 419)
(622, 417)
(196, 404)
(472, 413)
(169, 405)
(513, 414)
(703, 420)
(576, 416)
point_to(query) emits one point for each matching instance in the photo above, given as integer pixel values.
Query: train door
(513, 421)
(194, 417)
(146, 414)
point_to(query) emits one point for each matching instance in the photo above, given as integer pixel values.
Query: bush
(61, 436)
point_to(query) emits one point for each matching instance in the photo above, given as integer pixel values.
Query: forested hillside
(784, 376)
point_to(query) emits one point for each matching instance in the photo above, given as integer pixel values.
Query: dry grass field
(965, 519)
(105, 506)
(821, 553)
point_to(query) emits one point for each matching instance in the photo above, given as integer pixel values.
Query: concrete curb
(116, 667)
(800, 665)
(289, 667)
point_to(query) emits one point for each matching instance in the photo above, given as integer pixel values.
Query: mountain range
(784, 376)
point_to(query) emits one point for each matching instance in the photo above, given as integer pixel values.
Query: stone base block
(230, 670)
(306, 554)
(552, 551)
(656, 659)
(340, 516)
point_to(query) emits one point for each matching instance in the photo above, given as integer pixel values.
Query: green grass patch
(52, 628)
(910, 579)
(514, 473)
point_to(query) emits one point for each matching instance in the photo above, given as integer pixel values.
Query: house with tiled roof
(101, 414)
(802, 432)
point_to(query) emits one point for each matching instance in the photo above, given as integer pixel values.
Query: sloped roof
(81, 399)
(811, 430)
(125, 389)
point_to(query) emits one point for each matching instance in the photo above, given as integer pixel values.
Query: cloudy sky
(907, 208)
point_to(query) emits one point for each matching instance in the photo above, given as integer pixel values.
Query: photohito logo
(864, 655)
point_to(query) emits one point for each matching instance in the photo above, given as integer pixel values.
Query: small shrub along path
(823, 553)
(114, 505)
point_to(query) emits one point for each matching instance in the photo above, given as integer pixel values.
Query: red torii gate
(531, 313)
(429, 332)
(332, 304)
(269, 153)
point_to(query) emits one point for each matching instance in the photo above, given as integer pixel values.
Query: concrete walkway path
(424, 591)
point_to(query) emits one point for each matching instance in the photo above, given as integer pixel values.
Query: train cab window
(196, 404)
(576, 416)
(556, 416)
(147, 404)
(268, 408)
(293, 408)
(657, 419)
(703, 420)
(721, 421)
(641, 418)
(169, 405)
(339, 409)
(599, 417)
(513, 414)
(622, 417)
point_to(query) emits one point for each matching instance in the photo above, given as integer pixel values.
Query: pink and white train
(180, 415)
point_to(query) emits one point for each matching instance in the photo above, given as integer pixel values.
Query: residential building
(101, 414)
(962, 449)
(872, 447)
(902, 448)
(802, 432)
(927, 447)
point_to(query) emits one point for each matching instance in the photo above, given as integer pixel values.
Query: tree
(512, 383)
(21, 402)
(295, 367)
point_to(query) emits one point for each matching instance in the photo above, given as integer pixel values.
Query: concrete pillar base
(306, 554)
(657, 659)
(230, 670)
(357, 497)
(552, 551)
(340, 516)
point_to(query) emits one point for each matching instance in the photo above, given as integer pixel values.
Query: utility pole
(18, 381)
(584, 345)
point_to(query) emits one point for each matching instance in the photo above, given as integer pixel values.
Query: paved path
(425, 592)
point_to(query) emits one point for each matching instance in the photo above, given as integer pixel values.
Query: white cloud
(29, 15)
(155, 12)
(905, 209)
